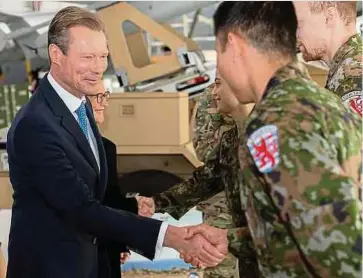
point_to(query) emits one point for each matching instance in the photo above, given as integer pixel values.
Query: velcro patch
(354, 101)
(263, 146)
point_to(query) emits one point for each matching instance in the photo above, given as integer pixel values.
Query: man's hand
(196, 248)
(216, 237)
(124, 257)
(146, 206)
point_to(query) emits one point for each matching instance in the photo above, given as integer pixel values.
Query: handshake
(201, 245)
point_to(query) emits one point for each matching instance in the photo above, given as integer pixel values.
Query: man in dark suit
(59, 173)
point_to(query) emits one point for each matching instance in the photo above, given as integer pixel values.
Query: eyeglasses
(101, 97)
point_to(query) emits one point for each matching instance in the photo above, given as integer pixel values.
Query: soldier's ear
(331, 16)
(235, 42)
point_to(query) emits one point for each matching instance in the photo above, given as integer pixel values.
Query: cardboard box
(6, 191)
(147, 119)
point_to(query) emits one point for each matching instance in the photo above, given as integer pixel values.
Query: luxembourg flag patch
(354, 101)
(263, 146)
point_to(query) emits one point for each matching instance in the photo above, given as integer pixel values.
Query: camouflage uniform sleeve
(309, 198)
(206, 180)
(345, 74)
(237, 237)
(205, 183)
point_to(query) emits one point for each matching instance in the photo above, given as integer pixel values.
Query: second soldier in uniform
(300, 150)
(208, 129)
(327, 31)
(216, 141)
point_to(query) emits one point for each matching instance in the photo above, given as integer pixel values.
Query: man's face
(99, 103)
(226, 100)
(83, 66)
(310, 32)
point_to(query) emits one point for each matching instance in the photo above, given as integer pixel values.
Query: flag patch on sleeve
(354, 101)
(263, 146)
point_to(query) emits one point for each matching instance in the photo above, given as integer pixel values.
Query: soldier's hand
(197, 247)
(146, 206)
(201, 253)
(216, 237)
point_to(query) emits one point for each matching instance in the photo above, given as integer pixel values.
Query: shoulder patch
(263, 146)
(354, 101)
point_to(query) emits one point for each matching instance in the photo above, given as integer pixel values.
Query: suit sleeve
(40, 152)
(315, 196)
(129, 204)
(115, 199)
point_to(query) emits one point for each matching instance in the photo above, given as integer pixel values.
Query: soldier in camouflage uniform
(345, 73)
(216, 142)
(341, 51)
(310, 165)
(208, 130)
(300, 150)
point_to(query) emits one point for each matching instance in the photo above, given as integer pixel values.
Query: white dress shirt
(72, 102)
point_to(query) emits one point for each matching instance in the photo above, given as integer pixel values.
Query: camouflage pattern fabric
(226, 269)
(345, 74)
(216, 214)
(208, 130)
(240, 241)
(220, 174)
(301, 160)
(209, 126)
(205, 183)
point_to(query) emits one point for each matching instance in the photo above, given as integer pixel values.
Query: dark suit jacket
(115, 199)
(57, 214)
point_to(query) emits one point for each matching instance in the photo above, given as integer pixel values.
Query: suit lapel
(71, 125)
(101, 150)
(68, 121)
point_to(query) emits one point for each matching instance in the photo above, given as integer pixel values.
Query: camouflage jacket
(220, 174)
(208, 129)
(345, 74)
(301, 162)
(206, 181)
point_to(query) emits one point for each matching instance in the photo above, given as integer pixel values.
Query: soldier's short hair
(67, 18)
(269, 26)
(347, 9)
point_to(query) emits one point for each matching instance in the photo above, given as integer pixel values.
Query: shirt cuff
(160, 242)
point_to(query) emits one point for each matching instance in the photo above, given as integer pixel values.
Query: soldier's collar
(344, 50)
(290, 71)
